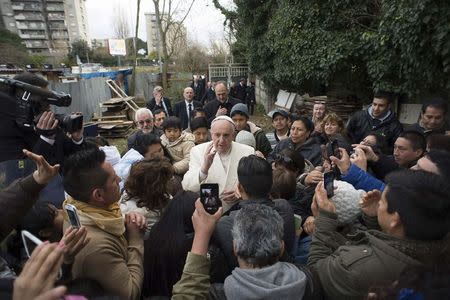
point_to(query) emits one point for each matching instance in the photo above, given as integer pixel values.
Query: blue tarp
(110, 74)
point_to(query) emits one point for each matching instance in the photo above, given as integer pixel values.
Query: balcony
(36, 44)
(55, 17)
(55, 7)
(29, 17)
(27, 7)
(33, 36)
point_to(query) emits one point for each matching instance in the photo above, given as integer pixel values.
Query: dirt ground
(260, 118)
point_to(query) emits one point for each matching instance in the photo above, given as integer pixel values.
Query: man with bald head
(217, 161)
(185, 108)
(221, 106)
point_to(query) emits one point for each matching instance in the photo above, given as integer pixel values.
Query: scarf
(109, 220)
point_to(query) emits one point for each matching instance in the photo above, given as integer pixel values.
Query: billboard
(117, 47)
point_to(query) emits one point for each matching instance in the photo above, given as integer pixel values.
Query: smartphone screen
(335, 149)
(328, 179)
(73, 218)
(209, 196)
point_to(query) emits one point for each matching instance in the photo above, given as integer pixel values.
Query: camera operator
(42, 134)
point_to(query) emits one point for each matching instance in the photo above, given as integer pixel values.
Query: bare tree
(169, 19)
(120, 23)
(133, 76)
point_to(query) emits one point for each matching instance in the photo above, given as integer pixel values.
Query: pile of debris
(116, 114)
(344, 107)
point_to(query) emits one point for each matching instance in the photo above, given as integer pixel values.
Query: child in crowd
(177, 143)
(199, 128)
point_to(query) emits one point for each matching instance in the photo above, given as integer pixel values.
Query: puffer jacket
(310, 150)
(361, 124)
(180, 150)
(262, 143)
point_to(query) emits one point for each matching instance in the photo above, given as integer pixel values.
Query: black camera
(32, 99)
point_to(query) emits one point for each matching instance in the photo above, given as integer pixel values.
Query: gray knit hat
(241, 108)
(346, 200)
(246, 138)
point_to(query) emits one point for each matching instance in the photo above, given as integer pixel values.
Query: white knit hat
(246, 138)
(346, 200)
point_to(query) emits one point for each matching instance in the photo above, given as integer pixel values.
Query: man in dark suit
(198, 86)
(222, 104)
(239, 91)
(160, 102)
(185, 108)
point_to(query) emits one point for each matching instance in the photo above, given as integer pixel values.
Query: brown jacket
(15, 201)
(180, 151)
(116, 268)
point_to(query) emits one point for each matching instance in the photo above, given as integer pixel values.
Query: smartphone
(333, 149)
(328, 181)
(30, 242)
(209, 196)
(73, 215)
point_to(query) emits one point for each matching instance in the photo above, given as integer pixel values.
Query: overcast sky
(204, 22)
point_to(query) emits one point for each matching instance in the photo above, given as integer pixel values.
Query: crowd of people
(315, 209)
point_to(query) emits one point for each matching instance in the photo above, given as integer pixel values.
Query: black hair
(163, 265)
(199, 110)
(40, 216)
(255, 176)
(309, 125)
(144, 140)
(296, 163)
(158, 111)
(284, 184)
(421, 200)
(98, 140)
(416, 139)
(388, 96)
(32, 79)
(436, 102)
(441, 159)
(199, 122)
(437, 141)
(83, 173)
(171, 122)
(381, 146)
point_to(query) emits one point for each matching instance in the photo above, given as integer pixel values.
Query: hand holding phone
(328, 180)
(73, 215)
(209, 197)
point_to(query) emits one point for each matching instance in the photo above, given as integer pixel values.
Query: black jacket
(361, 124)
(239, 91)
(209, 95)
(310, 150)
(179, 110)
(212, 107)
(152, 105)
(199, 90)
(13, 138)
(426, 133)
(223, 239)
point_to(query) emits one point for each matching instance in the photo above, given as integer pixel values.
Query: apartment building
(176, 36)
(47, 27)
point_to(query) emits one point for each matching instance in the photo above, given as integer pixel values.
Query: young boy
(199, 128)
(177, 143)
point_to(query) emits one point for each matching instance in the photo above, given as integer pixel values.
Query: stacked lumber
(116, 119)
(343, 107)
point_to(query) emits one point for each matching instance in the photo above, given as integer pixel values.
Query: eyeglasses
(148, 121)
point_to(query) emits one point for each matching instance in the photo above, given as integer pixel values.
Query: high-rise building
(176, 35)
(47, 27)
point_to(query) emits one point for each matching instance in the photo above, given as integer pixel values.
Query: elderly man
(184, 109)
(257, 236)
(222, 105)
(432, 117)
(217, 161)
(159, 101)
(144, 122)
